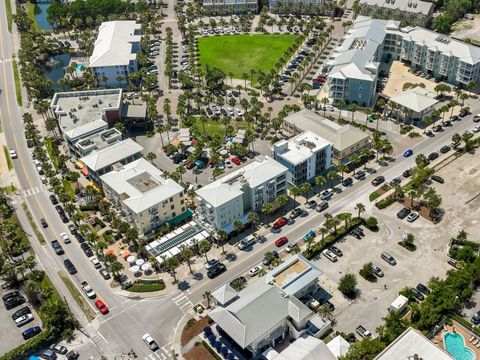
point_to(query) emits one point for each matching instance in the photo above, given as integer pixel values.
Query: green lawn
(52, 150)
(68, 188)
(239, 54)
(33, 224)
(16, 77)
(31, 15)
(8, 7)
(7, 157)
(216, 127)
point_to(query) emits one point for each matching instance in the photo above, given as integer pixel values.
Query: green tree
(367, 272)
(186, 255)
(348, 285)
(204, 247)
(366, 349)
(294, 191)
(282, 200)
(305, 189)
(320, 181)
(360, 208)
(207, 295)
(172, 264)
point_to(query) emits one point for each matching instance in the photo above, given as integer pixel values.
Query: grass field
(217, 128)
(239, 54)
(7, 157)
(16, 77)
(67, 185)
(52, 150)
(8, 7)
(33, 224)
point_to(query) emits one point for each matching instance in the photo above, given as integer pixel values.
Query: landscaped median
(77, 296)
(145, 285)
(33, 224)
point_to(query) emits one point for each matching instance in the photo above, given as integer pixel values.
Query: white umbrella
(131, 259)
(140, 262)
(146, 266)
(135, 269)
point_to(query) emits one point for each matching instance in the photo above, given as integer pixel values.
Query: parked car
(407, 173)
(281, 241)
(336, 251)
(347, 181)
(87, 249)
(105, 274)
(423, 289)
(65, 238)
(216, 271)
(280, 222)
(20, 312)
(70, 267)
(53, 199)
(377, 271)
(412, 216)
(445, 149)
(59, 349)
(96, 263)
(438, 179)
(330, 255)
(359, 175)
(326, 195)
(24, 319)
(432, 156)
(100, 305)
(14, 301)
(31, 332)
(247, 242)
(254, 271)
(408, 153)
(296, 213)
(235, 160)
(210, 264)
(57, 247)
(395, 182)
(290, 247)
(476, 318)
(403, 213)
(309, 235)
(311, 204)
(388, 258)
(418, 295)
(322, 206)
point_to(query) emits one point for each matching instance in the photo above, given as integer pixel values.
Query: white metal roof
(132, 196)
(111, 155)
(413, 342)
(338, 346)
(301, 147)
(306, 348)
(113, 46)
(413, 6)
(416, 99)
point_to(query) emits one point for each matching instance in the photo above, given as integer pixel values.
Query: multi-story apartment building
(315, 7)
(230, 198)
(115, 53)
(306, 156)
(144, 196)
(353, 69)
(408, 12)
(224, 7)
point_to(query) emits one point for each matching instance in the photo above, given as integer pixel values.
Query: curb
(176, 345)
(126, 294)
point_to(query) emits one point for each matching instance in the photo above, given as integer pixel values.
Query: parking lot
(10, 334)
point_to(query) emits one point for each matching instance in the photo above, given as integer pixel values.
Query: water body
(53, 69)
(41, 16)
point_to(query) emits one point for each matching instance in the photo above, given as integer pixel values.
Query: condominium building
(230, 198)
(346, 140)
(144, 196)
(354, 66)
(306, 156)
(315, 7)
(115, 53)
(408, 12)
(224, 7)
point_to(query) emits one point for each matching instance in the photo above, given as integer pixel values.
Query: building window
(172, 207)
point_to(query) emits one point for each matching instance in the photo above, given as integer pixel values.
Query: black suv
(402, 214)
(347, 182)
(70, 267)
(407, 173)
(53, 199)
(423, 289)
(438, 179)
(87, 249)
(217, 270)
(23, 311)
(432, 156)
(14, 301)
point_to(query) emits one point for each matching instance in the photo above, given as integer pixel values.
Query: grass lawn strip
(31, 15)
(216, 127)
(239, 54)
(52, 150)
(9, 189)
(7, 157)
(33, 224)
(68, 188)
(77, 296)
(8, 7)
(16, 76)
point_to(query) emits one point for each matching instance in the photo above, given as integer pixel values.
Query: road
(129, 319)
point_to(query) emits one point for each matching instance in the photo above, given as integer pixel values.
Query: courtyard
(239, 54)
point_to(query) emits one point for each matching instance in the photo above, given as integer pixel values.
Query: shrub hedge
(147, 286)
(99, 222)
(382, 204)
(42, 340)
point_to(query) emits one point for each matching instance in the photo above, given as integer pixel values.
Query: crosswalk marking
(183, 302)
(102, 346)
(161, 354)
(33, 191)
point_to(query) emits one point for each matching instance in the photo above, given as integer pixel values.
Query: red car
(279, 223)
(101, 306)
(282, 241)
(236, 160)
(189, 165)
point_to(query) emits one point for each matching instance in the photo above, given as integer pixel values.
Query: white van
(330, 255)
(245, 243)
(95, 262)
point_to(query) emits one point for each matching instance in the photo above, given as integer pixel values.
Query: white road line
(178, 296)
(100, 334)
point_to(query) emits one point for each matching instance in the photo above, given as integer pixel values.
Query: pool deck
(467, 336)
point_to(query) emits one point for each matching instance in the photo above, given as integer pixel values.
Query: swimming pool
(80, 67)
(455, 345)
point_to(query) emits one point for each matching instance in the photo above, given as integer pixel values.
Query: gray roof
(261, 306)
(412, 6)
(355, 57)
(224, 294)
(342, 137)
(111, 155)
(412, 342)
(306, 348)
(416, 99)
(138, 111)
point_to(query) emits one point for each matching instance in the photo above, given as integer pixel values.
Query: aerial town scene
(240, 179)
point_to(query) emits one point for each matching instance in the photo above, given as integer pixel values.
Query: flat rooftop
(77, 108)
(143, 182)
(301, 147)
(290, 273)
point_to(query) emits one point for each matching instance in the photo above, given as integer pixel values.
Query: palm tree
(342, 168)
(320, 181)
(353, 107)
(323, 231)
(294, 191)
(207, 295)
(267, 209)
(341, 104)
(222, 236)
(282, 200)
(187, 254)
(253, 219)
(360, 208)
(238, 226)
(332, 176)
(204, 247)
(172, 264)
(151, 156)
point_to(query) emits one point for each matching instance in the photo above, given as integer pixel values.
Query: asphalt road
(128, 320)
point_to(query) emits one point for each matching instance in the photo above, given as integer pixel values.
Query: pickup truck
(364, 333)
(88, 290)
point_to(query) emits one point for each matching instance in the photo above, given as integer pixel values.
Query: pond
(53, 69)
(41, 16)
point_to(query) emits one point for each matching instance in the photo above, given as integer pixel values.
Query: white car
(22, 320)
(238, 112)
(412, 216)
(326, 195)
(13, 154)
(147, 339)
(476, 129)
(95, 262)
(210, 264)
(65, 238)
(228, 164)
(330, 255)
(290, 247)
(254, 271)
